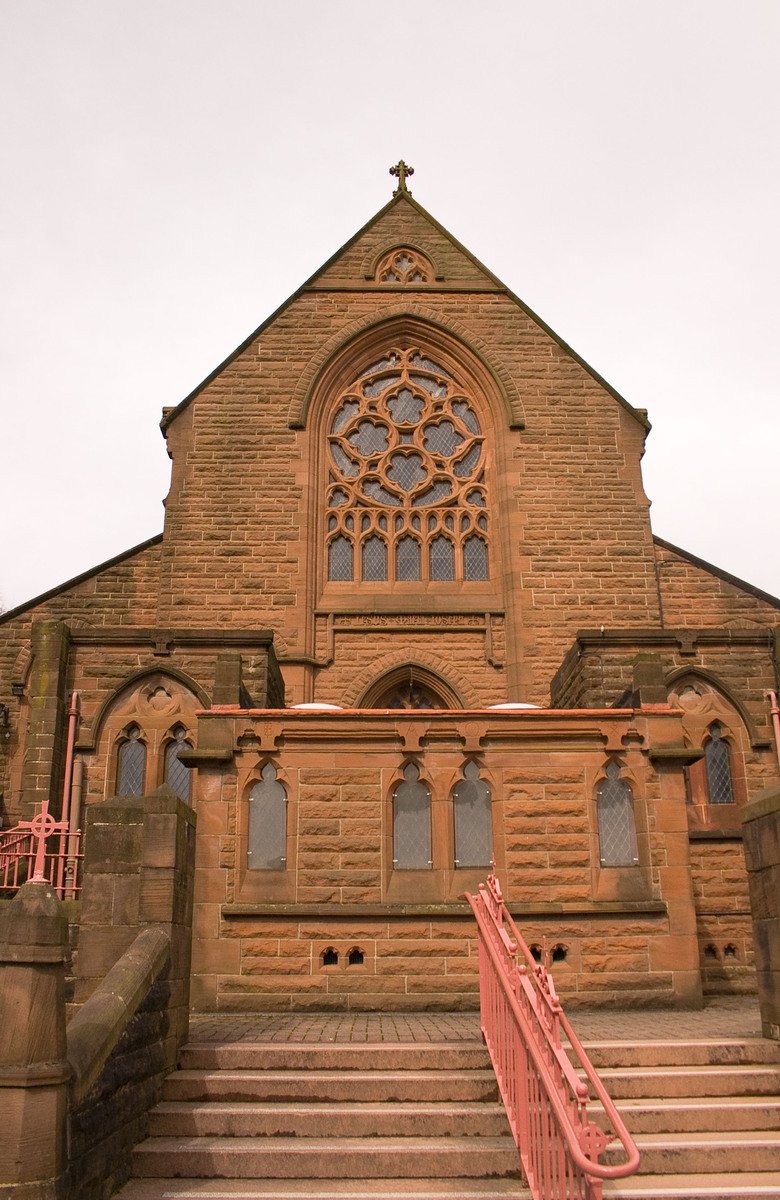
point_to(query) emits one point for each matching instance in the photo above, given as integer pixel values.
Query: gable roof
(170, 415)
(77, 579)
(703, 565)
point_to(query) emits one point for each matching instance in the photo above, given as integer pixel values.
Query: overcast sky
(173, 169)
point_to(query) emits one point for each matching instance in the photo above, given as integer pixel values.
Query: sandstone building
(407, 620)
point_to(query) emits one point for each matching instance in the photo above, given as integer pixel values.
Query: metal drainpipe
(73, 717)
(71, 868)
(775, 710)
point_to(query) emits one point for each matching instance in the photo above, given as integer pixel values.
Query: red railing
(544, 1093)
(42, 849)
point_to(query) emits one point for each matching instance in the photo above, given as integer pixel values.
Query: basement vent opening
(536, 953)
(730, 951)
(710, 950)
(355, 957)
(330, 957)
(559, 953)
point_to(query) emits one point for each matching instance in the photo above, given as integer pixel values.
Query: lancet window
(407, 499)
(473, 826)
(267, 841)
(177, 776)
(617, 828)
(717, 761)
(412, 822)
(131, 763)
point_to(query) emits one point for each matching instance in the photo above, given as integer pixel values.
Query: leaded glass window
(718, 766)
(407, 564)
(475, 558)
(617, 829)
(405, 440)
(411, 822)
(442, 554)
(374, 558)
(340, 558)
(473, 824)
(131, 764)
(267, 840)
(177, 776)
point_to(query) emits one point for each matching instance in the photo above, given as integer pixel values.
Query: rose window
(406, 492)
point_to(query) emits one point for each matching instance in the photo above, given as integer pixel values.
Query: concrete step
(217, 1119)
(749, 1185)
(326, 1189)
(691, 1153)
(696, 1114)
(635, 1082)
(741, 1052)
(342, 1056)
(367, 1086)
(318, 1158)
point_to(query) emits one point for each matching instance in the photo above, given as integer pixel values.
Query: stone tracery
(406, 487)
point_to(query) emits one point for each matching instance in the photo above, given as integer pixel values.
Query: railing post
(33, 1069)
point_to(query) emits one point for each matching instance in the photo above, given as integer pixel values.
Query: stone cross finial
(401, 170)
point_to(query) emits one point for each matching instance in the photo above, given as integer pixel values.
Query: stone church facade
(407, 623)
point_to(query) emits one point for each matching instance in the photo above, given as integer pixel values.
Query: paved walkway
(720, 1019)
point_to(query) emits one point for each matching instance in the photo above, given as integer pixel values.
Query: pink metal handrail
(544, 1094)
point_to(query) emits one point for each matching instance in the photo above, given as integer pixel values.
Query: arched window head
(411, 822)
(177, 776)
(267, 840)
(473, 825)
(720, 787)
(404, 265)
(617, 828)
(406, 494)
(131, 764)
(410, 686)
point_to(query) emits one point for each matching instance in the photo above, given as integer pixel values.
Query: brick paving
(721, 1018)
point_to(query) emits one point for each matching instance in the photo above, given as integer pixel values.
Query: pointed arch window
(177, 776)
(472, 817)
(411, 822)
(406, 489)
(617, 827)
(717, 760)
(131, 763)
(267, 840)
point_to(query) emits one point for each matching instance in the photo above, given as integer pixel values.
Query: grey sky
(173, 170)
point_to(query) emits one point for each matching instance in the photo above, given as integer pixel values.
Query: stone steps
(327, 1086)
(701, 1053)
(341, 1056)
(665, 1082)
(690, 1114)
(327, 1157)
(748, 1185)
(342, 1120)
(328, 1189)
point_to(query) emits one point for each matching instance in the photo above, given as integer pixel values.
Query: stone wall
(261, 938)
(761, 824)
